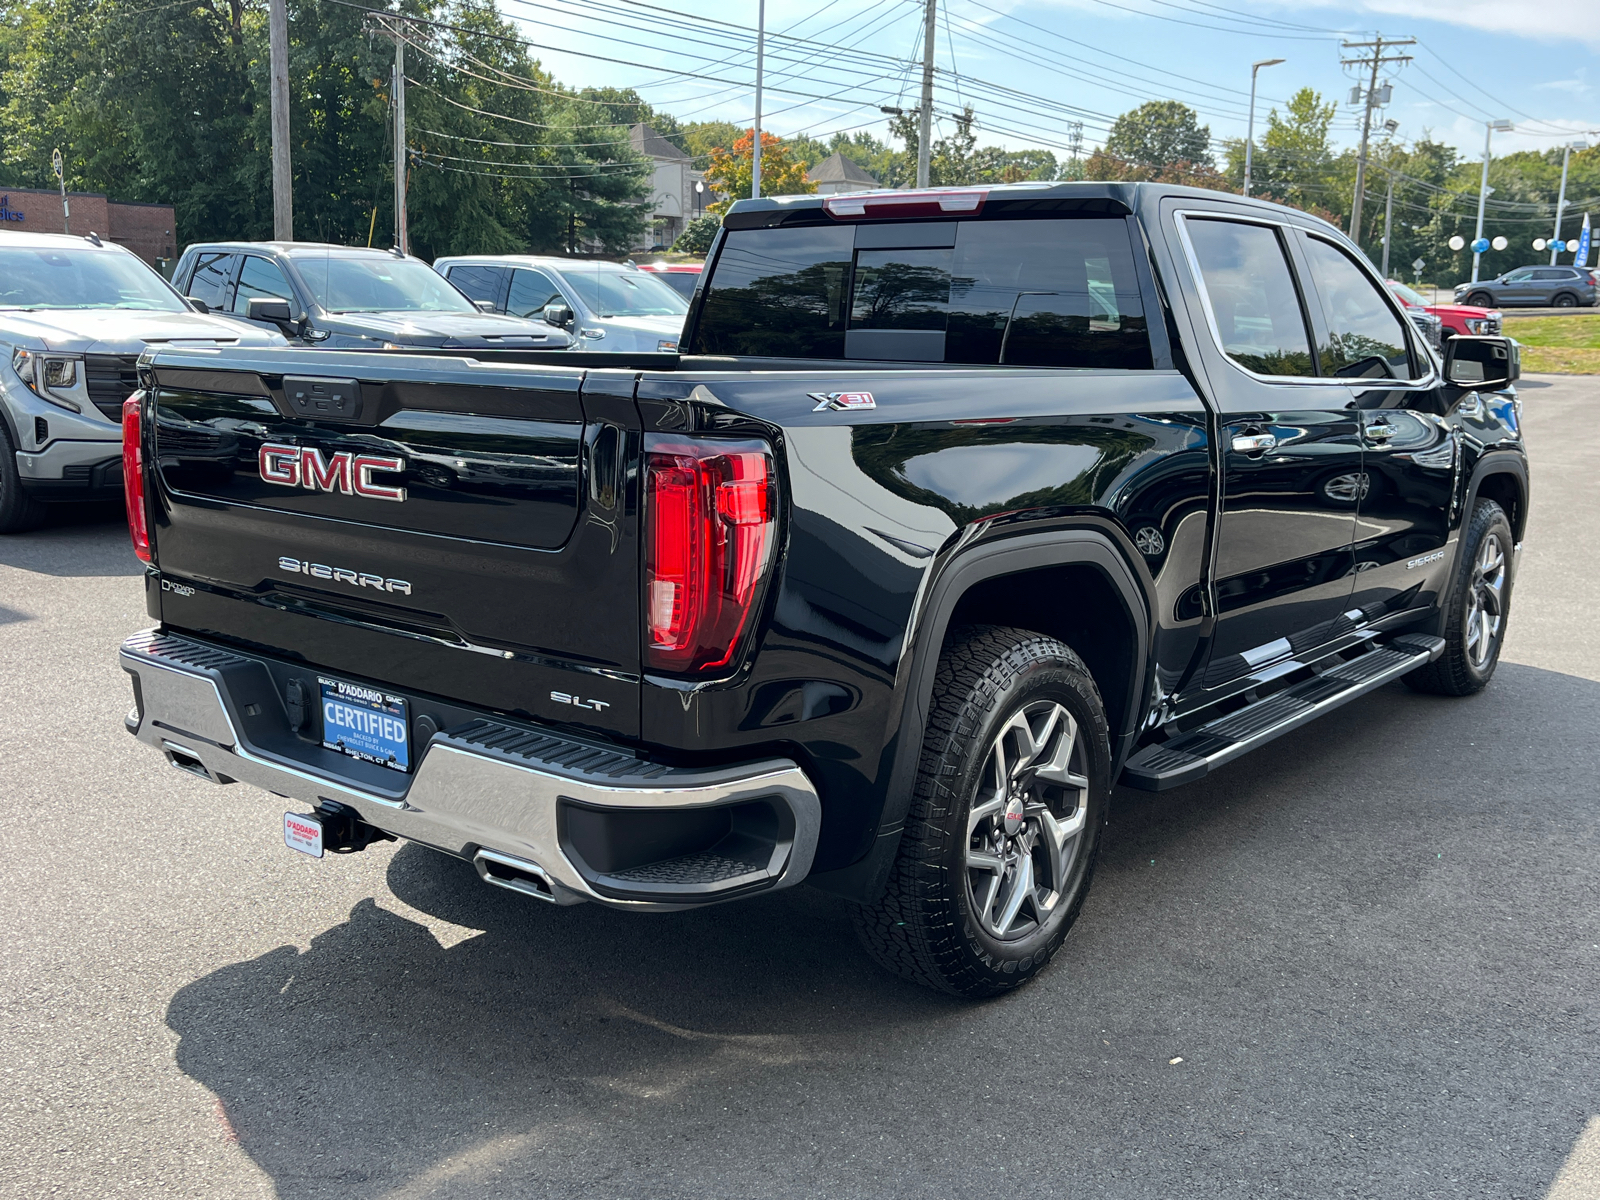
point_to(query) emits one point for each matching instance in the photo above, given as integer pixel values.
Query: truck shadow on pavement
(1355, 912)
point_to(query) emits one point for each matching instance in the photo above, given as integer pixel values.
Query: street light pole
(1561, 200)
(925, 125)
(1489, 127)
(761, 52)
(1388, 223)
(1250, 127)
(401, 241)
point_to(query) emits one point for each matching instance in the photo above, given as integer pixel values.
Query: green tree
(1159, 135)
(698, 235)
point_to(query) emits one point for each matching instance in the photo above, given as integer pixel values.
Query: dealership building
(146, 229)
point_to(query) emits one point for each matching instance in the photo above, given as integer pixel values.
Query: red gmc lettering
(365, 465)
(320, 475)
(279, 464)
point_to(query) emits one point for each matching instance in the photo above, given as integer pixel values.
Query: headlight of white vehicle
(57, 378)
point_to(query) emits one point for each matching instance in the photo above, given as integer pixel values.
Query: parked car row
(1446, 320)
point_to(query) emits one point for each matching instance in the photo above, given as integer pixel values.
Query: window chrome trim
(1407, 325)
(1182, 215)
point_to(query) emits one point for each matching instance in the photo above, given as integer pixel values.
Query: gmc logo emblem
(305, 467)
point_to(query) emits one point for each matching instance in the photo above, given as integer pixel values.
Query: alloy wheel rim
(1485, 614)
(1027, 822)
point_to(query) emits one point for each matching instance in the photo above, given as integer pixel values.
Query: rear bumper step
(1193, 755)
(533, 810)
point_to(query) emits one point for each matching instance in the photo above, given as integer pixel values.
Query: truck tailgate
(434, 524)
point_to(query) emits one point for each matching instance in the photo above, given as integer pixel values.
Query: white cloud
(1549, 20)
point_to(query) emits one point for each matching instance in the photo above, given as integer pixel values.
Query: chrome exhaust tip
(519, 875)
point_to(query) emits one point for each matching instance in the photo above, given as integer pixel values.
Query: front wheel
(1005, 819)
(1477, 610)
(1480, 300)
(19, 512)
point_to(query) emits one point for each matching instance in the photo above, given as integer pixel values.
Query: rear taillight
(133, 477)
(709, 529)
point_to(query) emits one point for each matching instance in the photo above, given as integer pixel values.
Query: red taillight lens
(133, 476)
(709, 526)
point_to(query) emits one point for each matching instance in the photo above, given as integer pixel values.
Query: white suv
(606, 306)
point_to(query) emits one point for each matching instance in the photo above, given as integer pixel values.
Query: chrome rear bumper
(515, 791)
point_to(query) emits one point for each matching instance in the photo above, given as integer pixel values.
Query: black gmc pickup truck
(959, 507)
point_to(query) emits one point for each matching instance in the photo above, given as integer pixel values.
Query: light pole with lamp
(699, 196)
(1489, 128)
(1561, 200)
(1250, 127)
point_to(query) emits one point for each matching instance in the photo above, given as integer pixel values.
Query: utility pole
(282, 179)
(761, 54)
(925, 125)
(380, 24)
(1388, 223)
(1484, 189)
(1561, 200)
(1250, 127)
(1374, 62)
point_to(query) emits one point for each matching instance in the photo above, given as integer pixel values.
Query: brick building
(147, 229)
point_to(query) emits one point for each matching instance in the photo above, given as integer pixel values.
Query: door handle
(1254, 443)
(1381, 433)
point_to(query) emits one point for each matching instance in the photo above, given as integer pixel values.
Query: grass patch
(1557, 360)
(1570, 333)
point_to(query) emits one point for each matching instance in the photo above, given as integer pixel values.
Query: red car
(682, 277)
(1456, 318)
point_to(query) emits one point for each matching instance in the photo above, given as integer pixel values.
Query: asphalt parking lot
(1363, 962)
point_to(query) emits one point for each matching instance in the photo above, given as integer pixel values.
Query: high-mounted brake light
(709, 529)
(927, 202)
(133, 476)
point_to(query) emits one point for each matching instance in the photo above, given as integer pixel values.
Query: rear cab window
(1040, 292)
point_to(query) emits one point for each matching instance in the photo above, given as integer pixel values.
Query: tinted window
(1252, 295)
(479, 283)
(531, 291)
(778, 293)
(682, 282)
(1057, 293)
(1549, 273)
(1366, 338)
(211, 276)
(260, 277)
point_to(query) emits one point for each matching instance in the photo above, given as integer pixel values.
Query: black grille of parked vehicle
(111, 379)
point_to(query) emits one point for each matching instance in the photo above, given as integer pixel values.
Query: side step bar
(1193, 754)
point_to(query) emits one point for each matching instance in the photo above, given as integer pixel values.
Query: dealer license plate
(365, 723)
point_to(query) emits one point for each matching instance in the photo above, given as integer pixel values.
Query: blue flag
(1582, 259)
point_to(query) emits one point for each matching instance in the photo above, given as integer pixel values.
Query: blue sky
(1031, 68)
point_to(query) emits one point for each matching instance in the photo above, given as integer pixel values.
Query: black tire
(19, 512)
(1466, 666)
(1565, 300)
(930, 925)
(1480, 300)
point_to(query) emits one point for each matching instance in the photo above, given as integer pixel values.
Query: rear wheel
(1481, 300)
(1477, 610)
(1005, 821)
(19, 512)
(1565, 300)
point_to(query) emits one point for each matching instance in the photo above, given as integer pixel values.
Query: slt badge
(842, 401)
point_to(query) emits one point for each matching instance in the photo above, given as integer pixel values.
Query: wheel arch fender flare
(1500, 463)
(957, 577)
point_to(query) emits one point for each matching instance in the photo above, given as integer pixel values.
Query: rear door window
(1254, 305)
(1047, 292)
(479, 283)
(213, 276)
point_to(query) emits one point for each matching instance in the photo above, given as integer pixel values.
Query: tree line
(168, 102)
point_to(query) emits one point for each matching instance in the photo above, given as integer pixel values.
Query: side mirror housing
(270, 308)
(484, 305)
(200, 306)
(1483, 363)
(557, 314)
